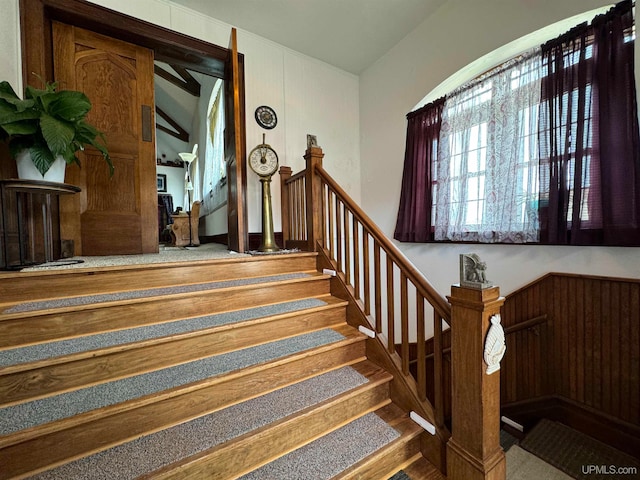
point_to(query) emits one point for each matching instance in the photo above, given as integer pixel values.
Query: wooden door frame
(37, 50)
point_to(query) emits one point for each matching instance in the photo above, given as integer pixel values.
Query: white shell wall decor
(494, 345)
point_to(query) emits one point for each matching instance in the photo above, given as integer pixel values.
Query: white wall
(312, 97)
(10, 68)
(459, 33)
(175, 184)
(308, 96)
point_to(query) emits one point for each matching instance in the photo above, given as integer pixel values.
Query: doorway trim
(168, 46)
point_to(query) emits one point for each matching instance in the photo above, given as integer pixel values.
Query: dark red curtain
(589, 163)
(615, 92)
(414, 213)
(567, 143)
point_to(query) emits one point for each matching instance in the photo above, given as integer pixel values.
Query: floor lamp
(188, 158)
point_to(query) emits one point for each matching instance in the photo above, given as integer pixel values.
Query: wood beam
(186, 81)
(179, 133)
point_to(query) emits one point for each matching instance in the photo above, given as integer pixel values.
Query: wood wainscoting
(573, 355)
(584, 359)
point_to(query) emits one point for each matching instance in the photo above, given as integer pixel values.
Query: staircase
(227, 368)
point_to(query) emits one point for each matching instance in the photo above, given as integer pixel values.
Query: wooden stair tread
(11, 275)
(422, 469)
(384, 463)
(30, 286)
(41, 326)
(309, 277)
(67, 445)
(43, 446)
(68, 373)
(274, 321)
(261, 446)
(219, 391)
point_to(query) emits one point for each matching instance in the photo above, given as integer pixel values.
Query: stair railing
(318, 215)
(389, 300)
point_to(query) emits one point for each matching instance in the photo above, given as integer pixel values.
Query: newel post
(285, 174)
(313, 157)
(477, 346)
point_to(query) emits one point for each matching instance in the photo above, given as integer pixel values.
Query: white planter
(28, 171)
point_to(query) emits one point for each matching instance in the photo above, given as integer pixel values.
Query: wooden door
(235, 151)
(112, 215)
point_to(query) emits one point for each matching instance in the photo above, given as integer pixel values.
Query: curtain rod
(495, 70)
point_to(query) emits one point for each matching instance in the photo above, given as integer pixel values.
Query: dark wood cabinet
(30, 222)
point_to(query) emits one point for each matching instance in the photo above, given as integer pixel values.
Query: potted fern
(47, 128)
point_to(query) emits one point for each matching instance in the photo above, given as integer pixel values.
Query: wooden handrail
(389, 295)
(507, 331)
(358, 250)
(295, 177)
(445, 351)
(430, 294)
(532, 322)
(591, 337)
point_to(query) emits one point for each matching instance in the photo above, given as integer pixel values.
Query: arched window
(527, 152)
(214, 185)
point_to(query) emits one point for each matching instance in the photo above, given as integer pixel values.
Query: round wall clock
(266, 117)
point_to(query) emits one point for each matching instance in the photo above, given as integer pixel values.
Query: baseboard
(222, 239)
(614, 432)
(255, 239)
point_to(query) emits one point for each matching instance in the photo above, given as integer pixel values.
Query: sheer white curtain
(489, 138)
(196, 194)
(214, 166)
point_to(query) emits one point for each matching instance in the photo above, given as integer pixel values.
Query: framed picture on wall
(161, 180)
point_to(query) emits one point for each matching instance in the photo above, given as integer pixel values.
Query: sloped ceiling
(349, 34)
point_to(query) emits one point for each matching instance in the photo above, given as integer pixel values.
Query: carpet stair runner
(242, 368)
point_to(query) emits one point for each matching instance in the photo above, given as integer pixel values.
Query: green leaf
(9, 96)
(41, 158)
(86, 133)
(6, 90)
(6, 109)
(9, 114)
(57, 133)
(20, 128)
(69, 105)
(33, 93)
(70, 155)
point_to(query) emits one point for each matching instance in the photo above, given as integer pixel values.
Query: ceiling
(349, 34)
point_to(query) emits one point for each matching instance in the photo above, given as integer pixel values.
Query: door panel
(235, 151)
(112, 215)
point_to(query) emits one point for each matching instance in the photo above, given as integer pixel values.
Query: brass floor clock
(264, 161)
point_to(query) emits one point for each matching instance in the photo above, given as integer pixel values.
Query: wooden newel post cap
(314, 153)
(285, 171)
(476, 299)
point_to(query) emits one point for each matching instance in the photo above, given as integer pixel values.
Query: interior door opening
(170, 47)
(190, 116)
